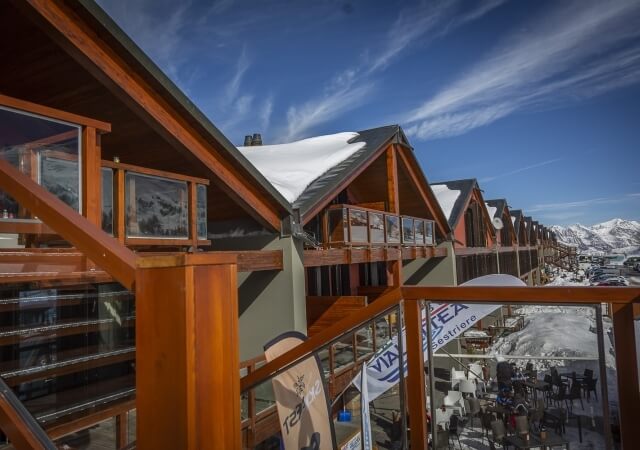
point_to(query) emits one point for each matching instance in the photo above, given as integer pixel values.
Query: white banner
(448, 321)
(367, 438)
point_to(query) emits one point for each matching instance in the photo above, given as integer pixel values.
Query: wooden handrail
(153, 172)
(45, 111)
(102, 249)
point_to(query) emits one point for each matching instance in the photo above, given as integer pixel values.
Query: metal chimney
(247, 140)
(257, 139)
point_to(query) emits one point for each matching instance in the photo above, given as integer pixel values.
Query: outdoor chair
(537, 415)
(575, 393)
(474, 409)
(442, 440)
(555, 419)
(498, 434)
(453, 399)
(456, 425)
(560, 395)
(477, 376)
(589, 386)
(467, 387)
(456, 376)
(522, 425)
(485, 421)
(548, 389)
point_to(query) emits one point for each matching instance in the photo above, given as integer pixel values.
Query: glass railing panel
(107, 200)
(156, 207)
(428, 233)
(365, 341)
(338, 225)
(376, 227)
(392, 229)
(358, 226)
(46, 150)
(408, 235)
(201, 213)
(419, 231)
(343, 352)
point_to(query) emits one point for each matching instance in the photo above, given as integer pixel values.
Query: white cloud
(582, 203)
(574, 52)
(519, 170)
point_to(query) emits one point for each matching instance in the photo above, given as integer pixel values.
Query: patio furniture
(498, 434)
(442, 440)
(519, 442)
(453, 400)
(588, 385)
(467, 387)
(456, 376)
(455, 429)
(522, 425)
(474, 408)
(575, 393)
(485, 421)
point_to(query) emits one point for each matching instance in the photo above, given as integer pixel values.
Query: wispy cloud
(575, 52)
(349, 88)
(520, 170)
(583, 203)
(233, 86)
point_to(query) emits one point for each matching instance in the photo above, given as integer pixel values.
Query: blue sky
(540, 101)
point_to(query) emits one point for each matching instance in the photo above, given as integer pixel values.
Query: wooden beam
(188, 351)
(103, 61)
(122, 430)
(416, 394)
(119, 206)
(627, 372)
(91, 176)
(98, 246)
(392, 181)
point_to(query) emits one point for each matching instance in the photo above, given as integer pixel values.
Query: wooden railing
(346, 225)
(409, 299)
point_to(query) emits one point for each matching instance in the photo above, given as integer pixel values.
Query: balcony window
(358, 225)
(376, 227)
(44, 149)
(201, 205)
(428, 233)
(419, 231)
(393, 229)
(408, 236)
(107, 200)
(338, 225)
(156, 207)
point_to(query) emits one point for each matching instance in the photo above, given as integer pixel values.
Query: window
(408, 236)
(201, 205)
(393, 229)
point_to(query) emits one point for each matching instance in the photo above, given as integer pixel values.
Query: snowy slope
(616, 235)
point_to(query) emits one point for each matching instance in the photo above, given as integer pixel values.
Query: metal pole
(401, 362)
(604, 394)
(432, 382)
(497, 257)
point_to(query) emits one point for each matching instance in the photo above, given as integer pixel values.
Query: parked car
(612, 282)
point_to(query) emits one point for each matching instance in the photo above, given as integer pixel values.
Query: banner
(367, 438)
(301, 399)
(448, 321)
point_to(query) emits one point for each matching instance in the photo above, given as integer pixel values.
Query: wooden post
(187, 380)
(392, 181)
(627, 372)
(119, 205)
(122, 430)
(416, 395)
(91, 176)
(193, 214)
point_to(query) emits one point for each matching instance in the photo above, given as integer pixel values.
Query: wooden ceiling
(36, 69)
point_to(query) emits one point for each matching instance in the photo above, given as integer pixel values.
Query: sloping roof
(499, 204)
(111, 33)
(373, 139)
(466, 188)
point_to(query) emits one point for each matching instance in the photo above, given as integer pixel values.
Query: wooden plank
(90, 419)
(464, 251)
(16, 428)
(24, 226)
(163, 242)
(122, 430)
(416, 393)
(96, 56)
(91, 176)
(154, 172)
(627, 372)
(53, 113)
(326, 310)
(101, 248)
(392, 181)
(187, 310)
(56, 278)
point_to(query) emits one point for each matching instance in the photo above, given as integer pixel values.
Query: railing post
(415, 374)
(188, 388)
(627, 372)
(91, 176)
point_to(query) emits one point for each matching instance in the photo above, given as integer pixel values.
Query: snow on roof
(513, 220)
(492, 210)
(292, 167)
(446, 197)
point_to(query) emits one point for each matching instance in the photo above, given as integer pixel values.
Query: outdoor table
(536, 386)
(519, 442)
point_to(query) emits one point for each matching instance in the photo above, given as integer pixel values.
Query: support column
(187, 380)
(416, 394)
(627, 372)
(91, 176)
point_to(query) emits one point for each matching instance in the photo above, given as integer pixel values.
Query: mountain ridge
(612, 236)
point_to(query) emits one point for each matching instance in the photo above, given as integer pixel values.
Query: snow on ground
(292, 167)
(446, 197)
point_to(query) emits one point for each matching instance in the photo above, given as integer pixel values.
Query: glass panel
(202, 211)
(156, 207)
(338, 225)
(393, 229)
(358, 225)
(364, 342)
(376, 227)
(428, 238)
(407, 231)
(419, 231)
(107, 200)
(44, 149)
(343, 352)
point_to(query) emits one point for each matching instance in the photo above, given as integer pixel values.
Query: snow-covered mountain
(613, 236)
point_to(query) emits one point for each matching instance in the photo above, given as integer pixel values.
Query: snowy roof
(446, 198)
(292, 167)
(492, 210)
(465, 189)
